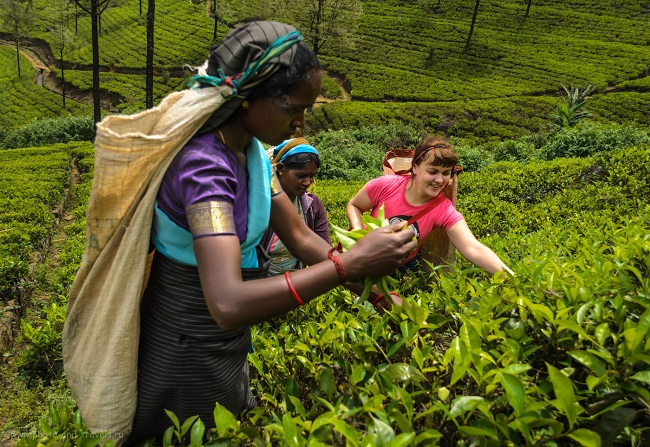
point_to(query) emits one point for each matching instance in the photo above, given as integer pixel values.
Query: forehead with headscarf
(291, 147)
(249, 55)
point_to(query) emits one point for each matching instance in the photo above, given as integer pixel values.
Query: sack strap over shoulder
(432, 204)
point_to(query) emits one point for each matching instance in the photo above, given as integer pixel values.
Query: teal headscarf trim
(279, 46)
(299, 149)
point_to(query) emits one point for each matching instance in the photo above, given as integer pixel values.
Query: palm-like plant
(570, 113)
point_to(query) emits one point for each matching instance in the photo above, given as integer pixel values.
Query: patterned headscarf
(248, 56)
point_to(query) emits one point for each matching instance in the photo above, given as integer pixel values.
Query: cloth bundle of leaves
(347, 238)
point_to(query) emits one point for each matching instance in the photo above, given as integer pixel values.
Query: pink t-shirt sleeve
(383, 189)
(448, 215)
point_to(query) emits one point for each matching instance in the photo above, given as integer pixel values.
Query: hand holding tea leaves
(348, 238)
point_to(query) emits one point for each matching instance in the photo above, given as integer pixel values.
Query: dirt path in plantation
(47, 79)
(65, 218)
(34, 58)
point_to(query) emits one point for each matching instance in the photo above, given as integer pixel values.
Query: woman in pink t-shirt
(404, 196)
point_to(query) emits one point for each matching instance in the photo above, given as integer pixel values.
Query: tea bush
(519, 151)
(331, 89)
(31, 191)
(42, 359)
(554, 356)
(589, 139)
(473, 158)
(357, 154)
(477, 121)
(50, 131)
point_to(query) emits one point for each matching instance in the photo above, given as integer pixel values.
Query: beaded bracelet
(293, 289)
(338, 265)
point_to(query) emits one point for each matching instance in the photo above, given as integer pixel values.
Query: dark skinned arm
(234, 303)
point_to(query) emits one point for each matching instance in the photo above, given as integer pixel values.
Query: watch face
(414, 225)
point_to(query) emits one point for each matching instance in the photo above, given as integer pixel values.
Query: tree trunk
(471, 29)
(62, 77)
(18, 54)
(17, 37)
(528, 8)
(97, 115)
(151, 9)
(317, 30)
(213, 8)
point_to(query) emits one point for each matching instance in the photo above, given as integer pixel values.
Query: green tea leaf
(515, 393)
(290, 431)
(642, 376)
(196, 435)
(171, 415)
(224, 420)
(564, 393)
(585, 437)
(590, 361)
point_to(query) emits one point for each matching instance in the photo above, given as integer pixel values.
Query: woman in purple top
(207, 283)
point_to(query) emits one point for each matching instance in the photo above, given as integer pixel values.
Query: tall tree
(324, 22)
(211, 10)
(17, 16)
(151, 11)
(94, 8)
(61, 37)
(528, 8)
(471, 28)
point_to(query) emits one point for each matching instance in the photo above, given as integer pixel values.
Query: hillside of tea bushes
(405, 63)
(558, 355)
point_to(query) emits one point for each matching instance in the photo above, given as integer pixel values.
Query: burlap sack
(100, 337)
(436, 248)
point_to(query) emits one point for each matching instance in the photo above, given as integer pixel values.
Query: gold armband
(206, 218)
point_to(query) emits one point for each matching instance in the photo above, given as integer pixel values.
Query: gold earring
(245, 104)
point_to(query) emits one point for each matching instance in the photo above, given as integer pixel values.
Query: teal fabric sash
(176, 242)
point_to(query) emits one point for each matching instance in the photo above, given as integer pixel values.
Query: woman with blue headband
(296, 162)
(208, 281)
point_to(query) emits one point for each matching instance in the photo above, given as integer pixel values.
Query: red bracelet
(380, 296)
(338, 265)
(292, 289)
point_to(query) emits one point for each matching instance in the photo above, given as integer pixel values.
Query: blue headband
(299, 149)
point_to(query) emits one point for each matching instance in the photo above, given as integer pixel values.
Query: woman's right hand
(380, 252)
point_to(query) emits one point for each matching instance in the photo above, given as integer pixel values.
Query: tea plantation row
(558, 355)
(405, 63)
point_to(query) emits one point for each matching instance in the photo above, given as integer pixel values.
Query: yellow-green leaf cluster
(350, 237)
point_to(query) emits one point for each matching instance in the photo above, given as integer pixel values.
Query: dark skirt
(186, 363)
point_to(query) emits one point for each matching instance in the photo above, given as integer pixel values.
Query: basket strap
(435, 202)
